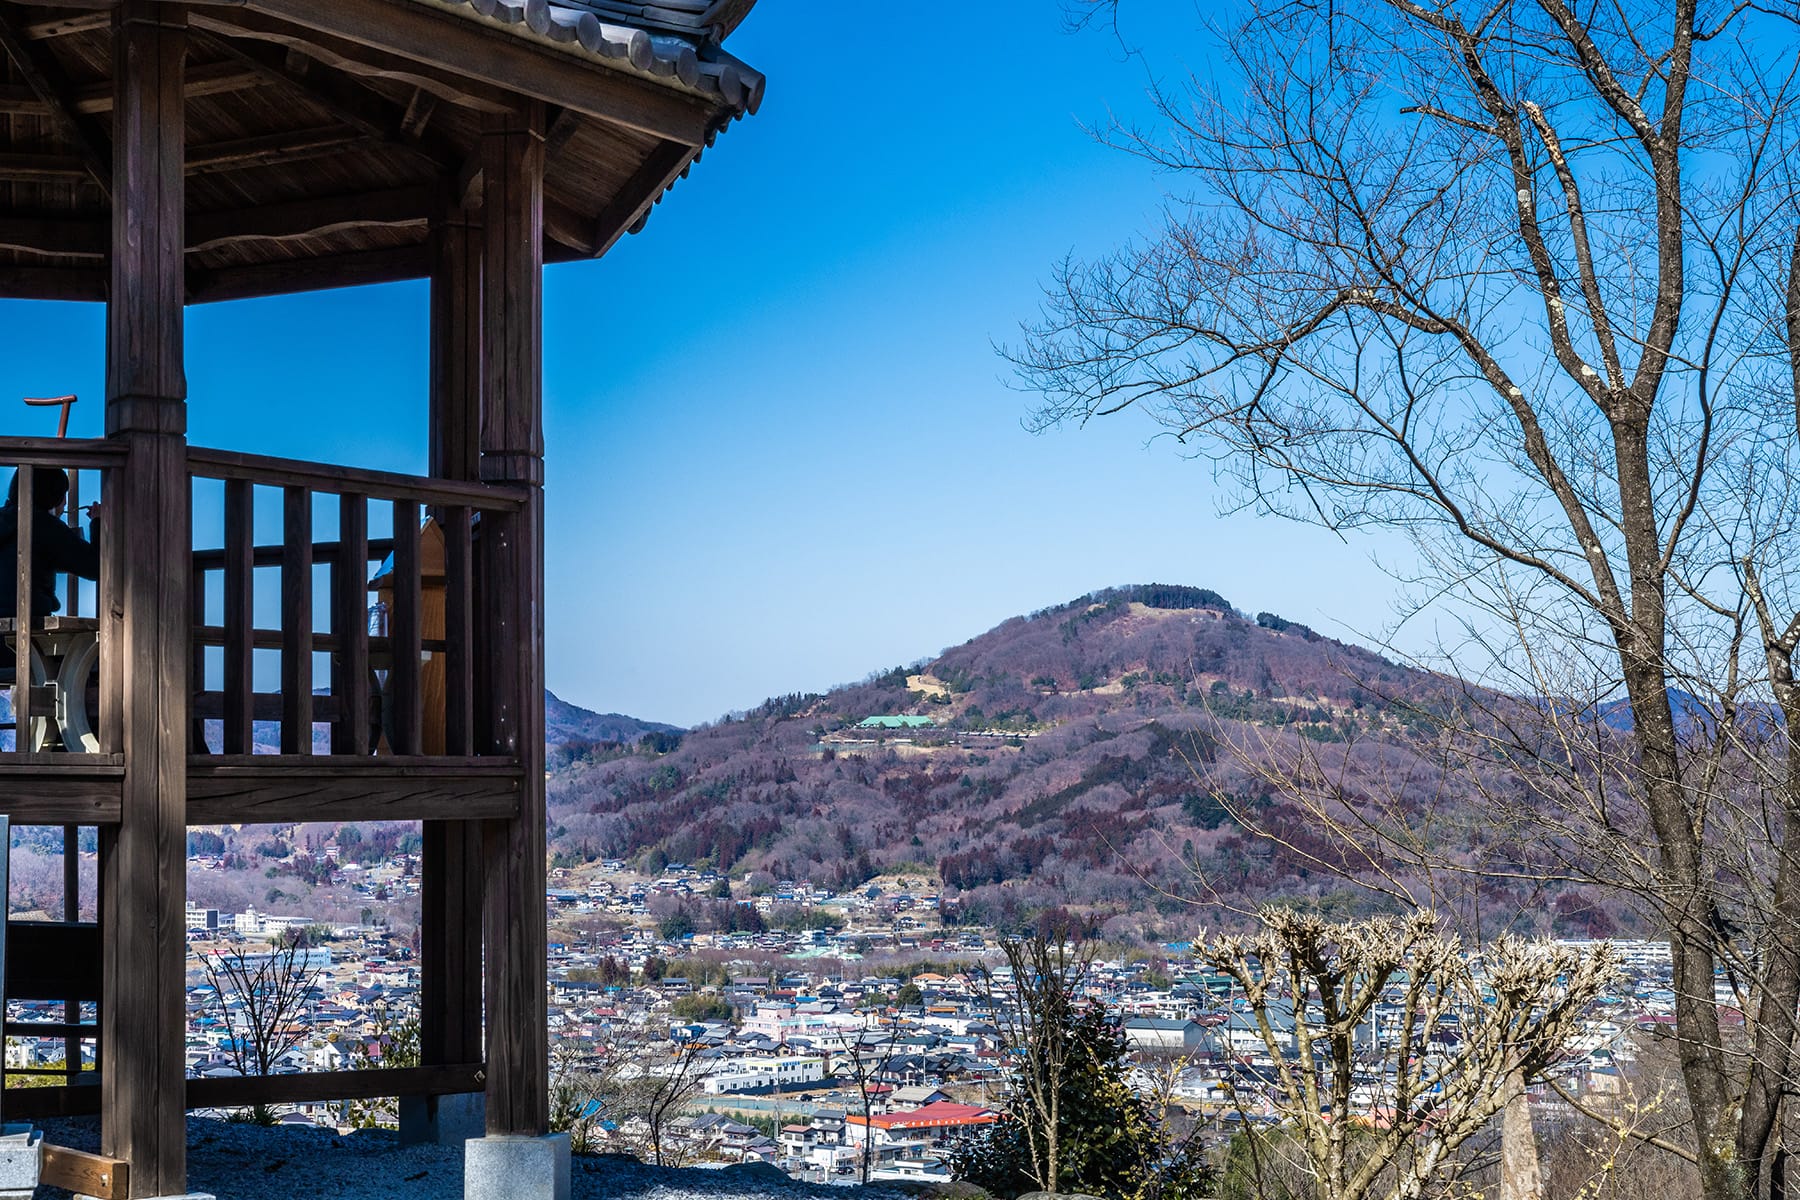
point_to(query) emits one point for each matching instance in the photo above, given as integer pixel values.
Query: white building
(756, 1073)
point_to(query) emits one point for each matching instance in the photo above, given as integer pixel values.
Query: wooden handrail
(273, 556)
(326, 477)
(270, 639)
(79, 453)
(237, 1092)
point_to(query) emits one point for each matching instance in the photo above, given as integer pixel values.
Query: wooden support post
(71, 914)
(145, 627)
(240, 610)
(296, 621)
(404, 634)
(455, 346)
(512, 555)
(22, 600)
(450, 925)
(350, 622)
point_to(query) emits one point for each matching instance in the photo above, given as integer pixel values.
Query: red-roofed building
(932, 1123)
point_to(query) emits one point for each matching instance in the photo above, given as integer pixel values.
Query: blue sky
(782, 450)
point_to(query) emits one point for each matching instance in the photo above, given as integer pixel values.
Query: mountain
(565, 722)
(1070, 759)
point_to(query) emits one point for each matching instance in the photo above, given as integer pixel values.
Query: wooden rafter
(64, 26)
(91, 239)
(285, 277)
(345, 97)
(209, 80)
(45, 78)
(309, 218)
(351, 57)
(632, 203)
(284, 147)
(421, 35)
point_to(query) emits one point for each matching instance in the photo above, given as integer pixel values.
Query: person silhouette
(56, 549)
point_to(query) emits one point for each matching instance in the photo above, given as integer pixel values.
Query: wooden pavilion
(154, 155)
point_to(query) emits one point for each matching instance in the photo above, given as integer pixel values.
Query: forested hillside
(1074, 761)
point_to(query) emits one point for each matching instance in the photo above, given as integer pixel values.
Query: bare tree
(260, 1000)
(1469, 1027)
(1519, 280)
(646, 1084)
(867, 1054)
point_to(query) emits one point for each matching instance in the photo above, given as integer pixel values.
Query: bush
(703, 1009)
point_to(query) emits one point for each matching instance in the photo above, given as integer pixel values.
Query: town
(849, 1035)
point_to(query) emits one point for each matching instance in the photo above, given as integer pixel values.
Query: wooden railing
(402, 679)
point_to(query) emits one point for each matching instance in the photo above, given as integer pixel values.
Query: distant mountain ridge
(565, 722)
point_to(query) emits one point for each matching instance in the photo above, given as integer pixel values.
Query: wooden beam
(505, 61)
(283, 788)
(633, 202)
(144, 651)
(56, 236)
(310, 218)
(41, 168)
(329, 477)
(237, 154)
(73, 238)
(569, 228)
(354, 269)
(85, 1174)
(285, 147)
(212, 79)
(354, 58)
(64, 26)
(512, 552)
(311, 1087)
(53, 283)
(344, 96)
(562, 130)
(44, 76)
(61, 793)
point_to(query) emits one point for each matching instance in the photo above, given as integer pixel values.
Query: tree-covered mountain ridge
(1077, 758)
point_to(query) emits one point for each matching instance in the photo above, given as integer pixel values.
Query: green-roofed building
(896, 722)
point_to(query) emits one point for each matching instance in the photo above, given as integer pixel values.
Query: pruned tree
(1471, 1029)
(1521, 280)
(577, 1100)
(260, 1000)
(391, 1042)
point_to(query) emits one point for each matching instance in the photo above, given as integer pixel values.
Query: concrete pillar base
(21, 1155)
(442, 1120)
(516, 1167)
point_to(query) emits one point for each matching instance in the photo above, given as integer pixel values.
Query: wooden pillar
(145, 652)
(512, 553)
(450, 859)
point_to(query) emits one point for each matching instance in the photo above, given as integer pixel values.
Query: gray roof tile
(674, 41)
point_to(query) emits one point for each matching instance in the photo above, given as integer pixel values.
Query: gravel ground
(246, 1162)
